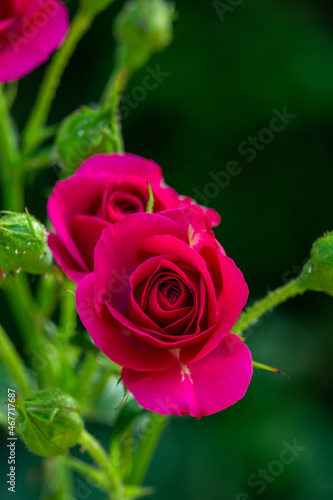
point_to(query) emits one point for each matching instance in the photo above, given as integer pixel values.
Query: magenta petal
(116, 341)
(64, 259)
(202, 388)
(86, 231)
(122, 164)
(74, 196)
(39, 28)
(118, 245)
(230, 303)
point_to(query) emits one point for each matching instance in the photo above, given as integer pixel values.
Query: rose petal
(112, 338)
(40, 27)
(124, 164)
(74, 196)
(229, 306)
(169, 244)
(65, 260)
(202, 388)
(118, 245)
(86, 231)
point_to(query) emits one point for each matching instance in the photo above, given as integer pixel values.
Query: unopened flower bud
(317, 274)
(142, 27)
(49, 422)
(85, 133)
(23, 244)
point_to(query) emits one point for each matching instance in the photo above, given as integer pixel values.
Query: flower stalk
(33, 132)
(147, 447)
(272, 299)
(13, 362)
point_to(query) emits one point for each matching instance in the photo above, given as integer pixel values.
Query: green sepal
(265, 367)
(23, 244)
(317, 273)
(126, 394)
(49, 422)
(150, 204)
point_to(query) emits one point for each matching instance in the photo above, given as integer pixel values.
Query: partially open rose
(161, 302)
(104, 190)
(30, 30)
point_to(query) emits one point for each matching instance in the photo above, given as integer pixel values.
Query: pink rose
(30, 30)
(104, 190)
(161, 302)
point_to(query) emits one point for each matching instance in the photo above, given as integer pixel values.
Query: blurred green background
(224, 78)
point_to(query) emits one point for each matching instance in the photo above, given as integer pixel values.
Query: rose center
(127, 206)
(120, 204)
(171, 291)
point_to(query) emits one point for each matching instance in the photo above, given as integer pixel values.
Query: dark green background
(224, 80)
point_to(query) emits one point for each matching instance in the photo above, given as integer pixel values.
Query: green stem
(8, 141)
(33, 132)
(271, 300)
(31, 325)
(96, 475)
(12, 185)
(47, 295)
(3, 419)
(58, 480)
(147, 446)
(24, 308)
(97, 452)
(13, 362)
(38, 161)
(84, 378)
(68, 312)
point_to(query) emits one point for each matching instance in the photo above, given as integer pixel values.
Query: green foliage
(23, 244)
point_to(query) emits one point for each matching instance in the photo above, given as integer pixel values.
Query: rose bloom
(30, 30)
(105, 189)
(161, 302)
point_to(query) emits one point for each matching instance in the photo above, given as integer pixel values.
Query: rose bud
(86, 133)
(161, 303)
(29, 32)
(317, 273)
(23, 244)
(104, 190)
(49, 422)
(142, 28)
